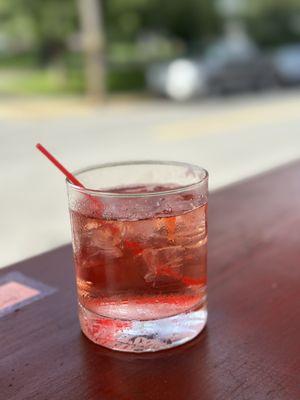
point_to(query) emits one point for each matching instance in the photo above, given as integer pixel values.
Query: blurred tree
(47, 24)
(274, 22)
(189, 20)
(90, 13)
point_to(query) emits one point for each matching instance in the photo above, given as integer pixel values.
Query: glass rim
(107, 193)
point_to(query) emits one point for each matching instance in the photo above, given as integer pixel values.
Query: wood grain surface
(249, 350)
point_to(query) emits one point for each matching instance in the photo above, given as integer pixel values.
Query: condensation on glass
(139, 233)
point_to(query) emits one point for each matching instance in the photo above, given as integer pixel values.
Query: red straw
(50, 157)
(67, 173)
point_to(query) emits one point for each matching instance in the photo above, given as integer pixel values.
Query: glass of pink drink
(140, 243)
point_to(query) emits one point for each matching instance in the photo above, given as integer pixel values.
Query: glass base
(142, 336)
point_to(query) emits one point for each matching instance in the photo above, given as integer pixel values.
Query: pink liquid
(140, 269)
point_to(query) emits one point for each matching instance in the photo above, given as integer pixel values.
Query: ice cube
(166, 261)
(101, 237)
(190, 228)
(150, 233)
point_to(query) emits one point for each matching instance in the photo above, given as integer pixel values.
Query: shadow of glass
(178, 373)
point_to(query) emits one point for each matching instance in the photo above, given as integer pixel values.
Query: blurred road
(233, 138)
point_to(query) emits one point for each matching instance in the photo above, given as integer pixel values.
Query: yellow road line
(229, 120)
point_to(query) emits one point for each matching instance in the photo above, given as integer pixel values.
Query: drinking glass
(139, 233)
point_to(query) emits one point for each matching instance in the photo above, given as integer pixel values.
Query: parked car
(235, 67)
(178, 79)
(228, 65)
(286, 62)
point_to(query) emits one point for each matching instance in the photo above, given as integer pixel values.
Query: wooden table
(249, 350)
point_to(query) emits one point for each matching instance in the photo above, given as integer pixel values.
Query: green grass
(52, 81)
(21, 75)
(125, 80)
(31, 81)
